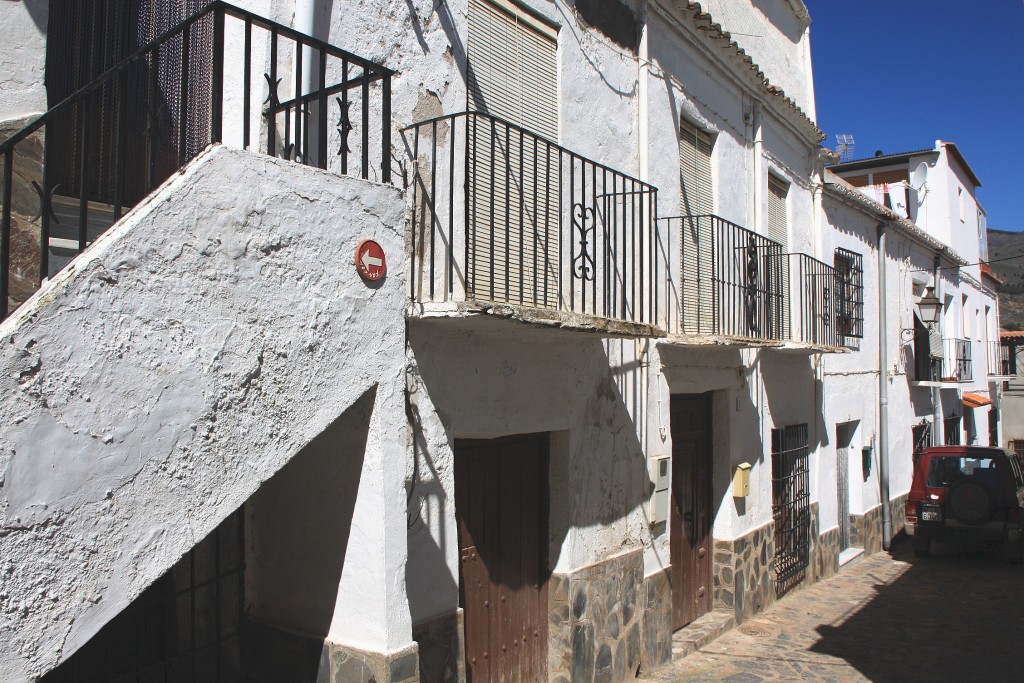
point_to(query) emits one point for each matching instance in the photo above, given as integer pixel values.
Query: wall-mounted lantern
(929, 307)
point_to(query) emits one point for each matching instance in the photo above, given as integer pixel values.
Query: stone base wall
(826, 550)
(866, 529)
(657, 624)
(742, 571)
(595, 622)
(355, 666)
(441, 648)
(24, 246)
(271, 654)
(898, 513)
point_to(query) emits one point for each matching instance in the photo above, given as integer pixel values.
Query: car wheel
(922, 546)
(970, 502)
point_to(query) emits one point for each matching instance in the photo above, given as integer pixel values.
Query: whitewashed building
(614, 369)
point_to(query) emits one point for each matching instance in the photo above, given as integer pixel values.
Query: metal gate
(791, 496)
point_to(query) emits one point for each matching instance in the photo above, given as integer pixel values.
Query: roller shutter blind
(778, 226)
(514, 210)
(696, 199)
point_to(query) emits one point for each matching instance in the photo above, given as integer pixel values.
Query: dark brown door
(501, 505)
(690, 531)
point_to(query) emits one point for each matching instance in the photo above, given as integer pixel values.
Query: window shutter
(695, 171)
(513, 67)
(696, 199)
(778, 225)
(514, 200)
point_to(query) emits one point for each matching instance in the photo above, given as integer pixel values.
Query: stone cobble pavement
(955, 616)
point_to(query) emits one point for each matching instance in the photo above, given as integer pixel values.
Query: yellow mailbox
(741, 481)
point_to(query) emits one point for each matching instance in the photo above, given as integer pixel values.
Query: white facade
(377, 393)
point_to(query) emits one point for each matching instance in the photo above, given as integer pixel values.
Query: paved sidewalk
(958, 616)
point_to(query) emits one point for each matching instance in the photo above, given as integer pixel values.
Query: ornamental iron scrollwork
(344, 126)
(272, 98)
(45, 202)
(752, 272)
(584, 220)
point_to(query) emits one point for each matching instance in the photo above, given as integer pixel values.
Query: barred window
(791, 508)
(952, 430)
(849, 293)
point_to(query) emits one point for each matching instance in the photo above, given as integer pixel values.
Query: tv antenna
(846, 147)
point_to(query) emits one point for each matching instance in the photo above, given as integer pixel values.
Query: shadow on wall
(794, 395)
(541, 381)
(294, 534)
(787, 25)
(300, 522)
(736, 425)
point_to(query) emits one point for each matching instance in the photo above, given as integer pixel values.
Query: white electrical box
(661, 474)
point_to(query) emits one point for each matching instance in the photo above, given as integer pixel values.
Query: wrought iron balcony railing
(76, 169)
(812, 287)
(956, 360)
(502, 215)
(732, 281)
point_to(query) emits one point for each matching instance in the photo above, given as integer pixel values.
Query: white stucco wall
(775, 34)
(154, 384)
(22, 58)
(487, 379)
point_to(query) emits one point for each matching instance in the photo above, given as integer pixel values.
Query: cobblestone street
(957, 616)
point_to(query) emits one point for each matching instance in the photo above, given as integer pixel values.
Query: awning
(972, 400)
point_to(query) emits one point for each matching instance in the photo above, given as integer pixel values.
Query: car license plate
(930, 513)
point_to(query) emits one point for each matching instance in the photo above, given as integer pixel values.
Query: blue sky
(899, 75)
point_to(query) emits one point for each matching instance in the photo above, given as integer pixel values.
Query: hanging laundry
(874, 192)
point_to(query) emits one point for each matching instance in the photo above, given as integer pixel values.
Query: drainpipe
(938, 429)
(883, 391)
(643, 162)
(760, 175)
(304, 22)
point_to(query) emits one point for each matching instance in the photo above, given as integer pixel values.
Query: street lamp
(930, 307)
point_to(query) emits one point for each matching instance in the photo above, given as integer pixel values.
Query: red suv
(967, 493)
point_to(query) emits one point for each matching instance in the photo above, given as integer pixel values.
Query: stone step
(699, 633)
(850, 558)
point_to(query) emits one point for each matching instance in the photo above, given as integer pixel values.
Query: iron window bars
(921, 436)
(732, 280)
(791, 509)
(956, 360)
(849, 293)
(952, 430)
(1000, 362)
(505, 216)
(187, 88)
(187, 626)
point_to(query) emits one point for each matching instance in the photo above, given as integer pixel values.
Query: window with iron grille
(185, 627)
(791, 505)
(993, 427)
(952, 430)
(849, 293)
(922, 438)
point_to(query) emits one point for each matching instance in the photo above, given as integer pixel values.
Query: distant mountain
(1002, 245)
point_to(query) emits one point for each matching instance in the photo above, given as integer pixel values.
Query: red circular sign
(370, 260)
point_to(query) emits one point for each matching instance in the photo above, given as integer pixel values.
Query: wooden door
(691, 513)
(501, 505)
